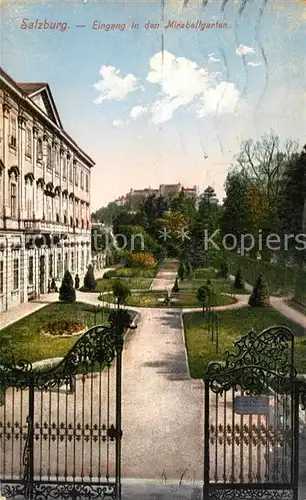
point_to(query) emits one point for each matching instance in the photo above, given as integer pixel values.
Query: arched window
(13, 199)
(49, 157)
(39, 150)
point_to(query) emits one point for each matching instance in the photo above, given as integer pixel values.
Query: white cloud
(222, 98)
(244, 50)
(213, 59)
(118, 123)
(254, 64)
(113, 86)
(184, 83)
(138, 111)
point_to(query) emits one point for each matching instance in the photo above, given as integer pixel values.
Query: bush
(224, 270)
(182, 271)
(175, 288)
(204, 295)
(260, 295)
(141, 259)
(89, 280)
(121, 318)
(239, 282)
(121, 292)
(67, 291)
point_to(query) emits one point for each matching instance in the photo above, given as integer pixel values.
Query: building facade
(44, 195)
(136, 196)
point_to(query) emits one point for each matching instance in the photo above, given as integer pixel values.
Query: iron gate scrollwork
(60, 429)
(252, 404)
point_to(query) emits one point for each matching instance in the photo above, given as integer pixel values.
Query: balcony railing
(40, 225)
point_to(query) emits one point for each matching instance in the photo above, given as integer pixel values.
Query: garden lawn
(27, 341)
(220, 285)
(234, 324)
(133, 283)
(180, 299)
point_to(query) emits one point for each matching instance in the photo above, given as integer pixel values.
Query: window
(39, 150)
(82, 179)
(31, 270)
(13, 132)
(1, 277)
(28, 200)
(49, 208)
(64, 168)
(16, 274)
(53, 157)
(28, 147)
(87, 183)
(59, 265)
(70, 172)
(39, 202)
(57, 163)
(72, 261)
(49, 157)
(50, 266)
(82, 260)
(76, 176)
(66, 262)
(13, 200)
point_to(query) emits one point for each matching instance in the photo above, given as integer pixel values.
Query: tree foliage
(67, 291)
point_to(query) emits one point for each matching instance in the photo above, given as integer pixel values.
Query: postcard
(153, 249)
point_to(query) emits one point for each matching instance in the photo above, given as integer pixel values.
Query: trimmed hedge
(281, 280)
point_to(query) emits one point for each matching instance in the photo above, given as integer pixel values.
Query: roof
(29, 88)
(39, 96)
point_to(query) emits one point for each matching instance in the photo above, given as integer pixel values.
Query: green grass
(27, 342)
(205, 273)
(219, 284)
(183, 299)
(234, 324)
(133, 283)
(132, 272)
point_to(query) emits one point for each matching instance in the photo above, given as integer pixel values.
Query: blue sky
(143, 125)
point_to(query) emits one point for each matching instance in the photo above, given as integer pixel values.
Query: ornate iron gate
(60, 430)
(252, 404)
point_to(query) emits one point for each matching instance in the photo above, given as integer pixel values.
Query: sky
(164, 105)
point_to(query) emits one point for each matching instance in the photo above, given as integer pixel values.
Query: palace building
(44, 195)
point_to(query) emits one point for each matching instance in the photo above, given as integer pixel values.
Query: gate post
(28, 454)
(206, 439)
(119, 348)
(296, 435)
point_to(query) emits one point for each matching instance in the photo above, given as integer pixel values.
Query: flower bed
(63, 328)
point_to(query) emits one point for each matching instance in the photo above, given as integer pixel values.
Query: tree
(175, 288)
(239, 282)
(204, 296)
(182, 271)
(77, 282)
(259, 296)
(189, 269)
(292, 204)
(224, 270)
(67, 291)
(121, 292)
(89, 280)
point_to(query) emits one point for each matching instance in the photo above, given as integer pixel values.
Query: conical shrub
(67, 291)
(260, 295)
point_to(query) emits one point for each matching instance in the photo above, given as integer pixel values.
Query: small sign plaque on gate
(257, 405)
